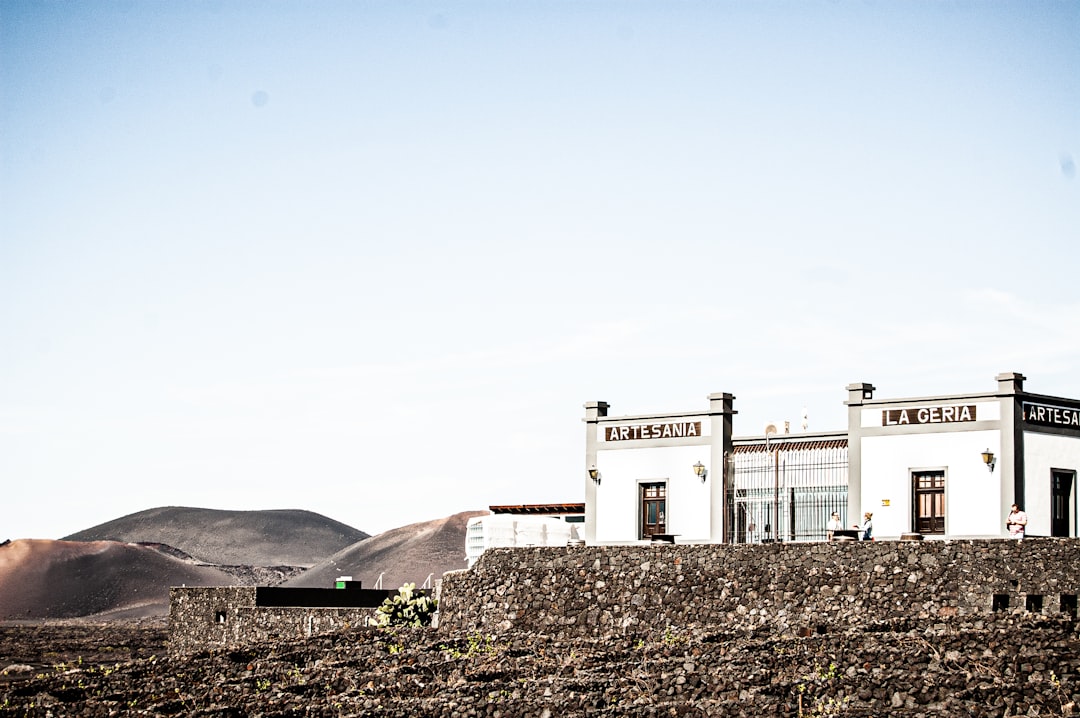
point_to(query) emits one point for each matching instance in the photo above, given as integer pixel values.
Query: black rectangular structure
(323, 597)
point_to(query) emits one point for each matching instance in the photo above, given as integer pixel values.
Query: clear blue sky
(370, 258)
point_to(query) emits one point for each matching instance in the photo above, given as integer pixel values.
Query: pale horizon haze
(370, 259)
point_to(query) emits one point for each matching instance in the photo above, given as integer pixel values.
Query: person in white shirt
(834, 525)
(866, 531)
(1016, 523)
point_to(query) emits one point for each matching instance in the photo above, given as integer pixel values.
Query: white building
(523, 525)
(940, 466)
(918, 464)
(653, 475)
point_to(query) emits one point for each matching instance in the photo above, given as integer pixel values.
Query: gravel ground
(28, 648)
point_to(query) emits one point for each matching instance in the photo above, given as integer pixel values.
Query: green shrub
(405, 609)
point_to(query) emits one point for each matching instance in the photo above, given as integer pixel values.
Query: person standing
(866, 531)
(834, 525)
(1016, 522)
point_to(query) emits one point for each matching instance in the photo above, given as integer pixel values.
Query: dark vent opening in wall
(1014, 583)
(822, 629)
(1034, 602)
(1068, 604)
(1001, 602)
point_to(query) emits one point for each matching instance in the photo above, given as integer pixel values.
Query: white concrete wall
(618, 498)
(972, 493)
(1043, 452)
(504, 530)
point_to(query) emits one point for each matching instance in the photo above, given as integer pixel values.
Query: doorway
(929, 488)
(653, 509)
(1061, 487)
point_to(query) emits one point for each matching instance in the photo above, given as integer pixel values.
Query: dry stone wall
(1013, 666)
(219, 617)
(796, 589)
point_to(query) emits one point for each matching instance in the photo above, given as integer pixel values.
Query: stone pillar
(721, 411)
(594, 411)
(1010, 385)
(858, 394)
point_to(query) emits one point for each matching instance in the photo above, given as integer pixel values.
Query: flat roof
(538, 509)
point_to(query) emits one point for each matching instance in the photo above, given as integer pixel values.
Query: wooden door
(1060, 503)
(929, 502)
(653, 509)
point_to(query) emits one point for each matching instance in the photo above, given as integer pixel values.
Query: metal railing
(786, 491)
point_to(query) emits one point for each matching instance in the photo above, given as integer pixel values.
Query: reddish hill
(107, 579)
(284, 537)
(65, 579)
(404, 555)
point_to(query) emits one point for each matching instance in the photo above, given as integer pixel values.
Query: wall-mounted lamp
(699, 469)
(594, 474)
(989, 460)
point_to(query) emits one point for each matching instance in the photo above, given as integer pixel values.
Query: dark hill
(285, 537)
(64, 579)
(404, 555)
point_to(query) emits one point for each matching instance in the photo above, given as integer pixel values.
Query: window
(929, 501)
(653, 509)
(1068, 604)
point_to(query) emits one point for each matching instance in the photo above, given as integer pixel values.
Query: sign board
(1050, 415)
(928, 415)
(638, 432)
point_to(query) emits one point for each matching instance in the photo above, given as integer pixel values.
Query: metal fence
(786, 491)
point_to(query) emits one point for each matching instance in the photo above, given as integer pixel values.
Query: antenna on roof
(805, 419)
